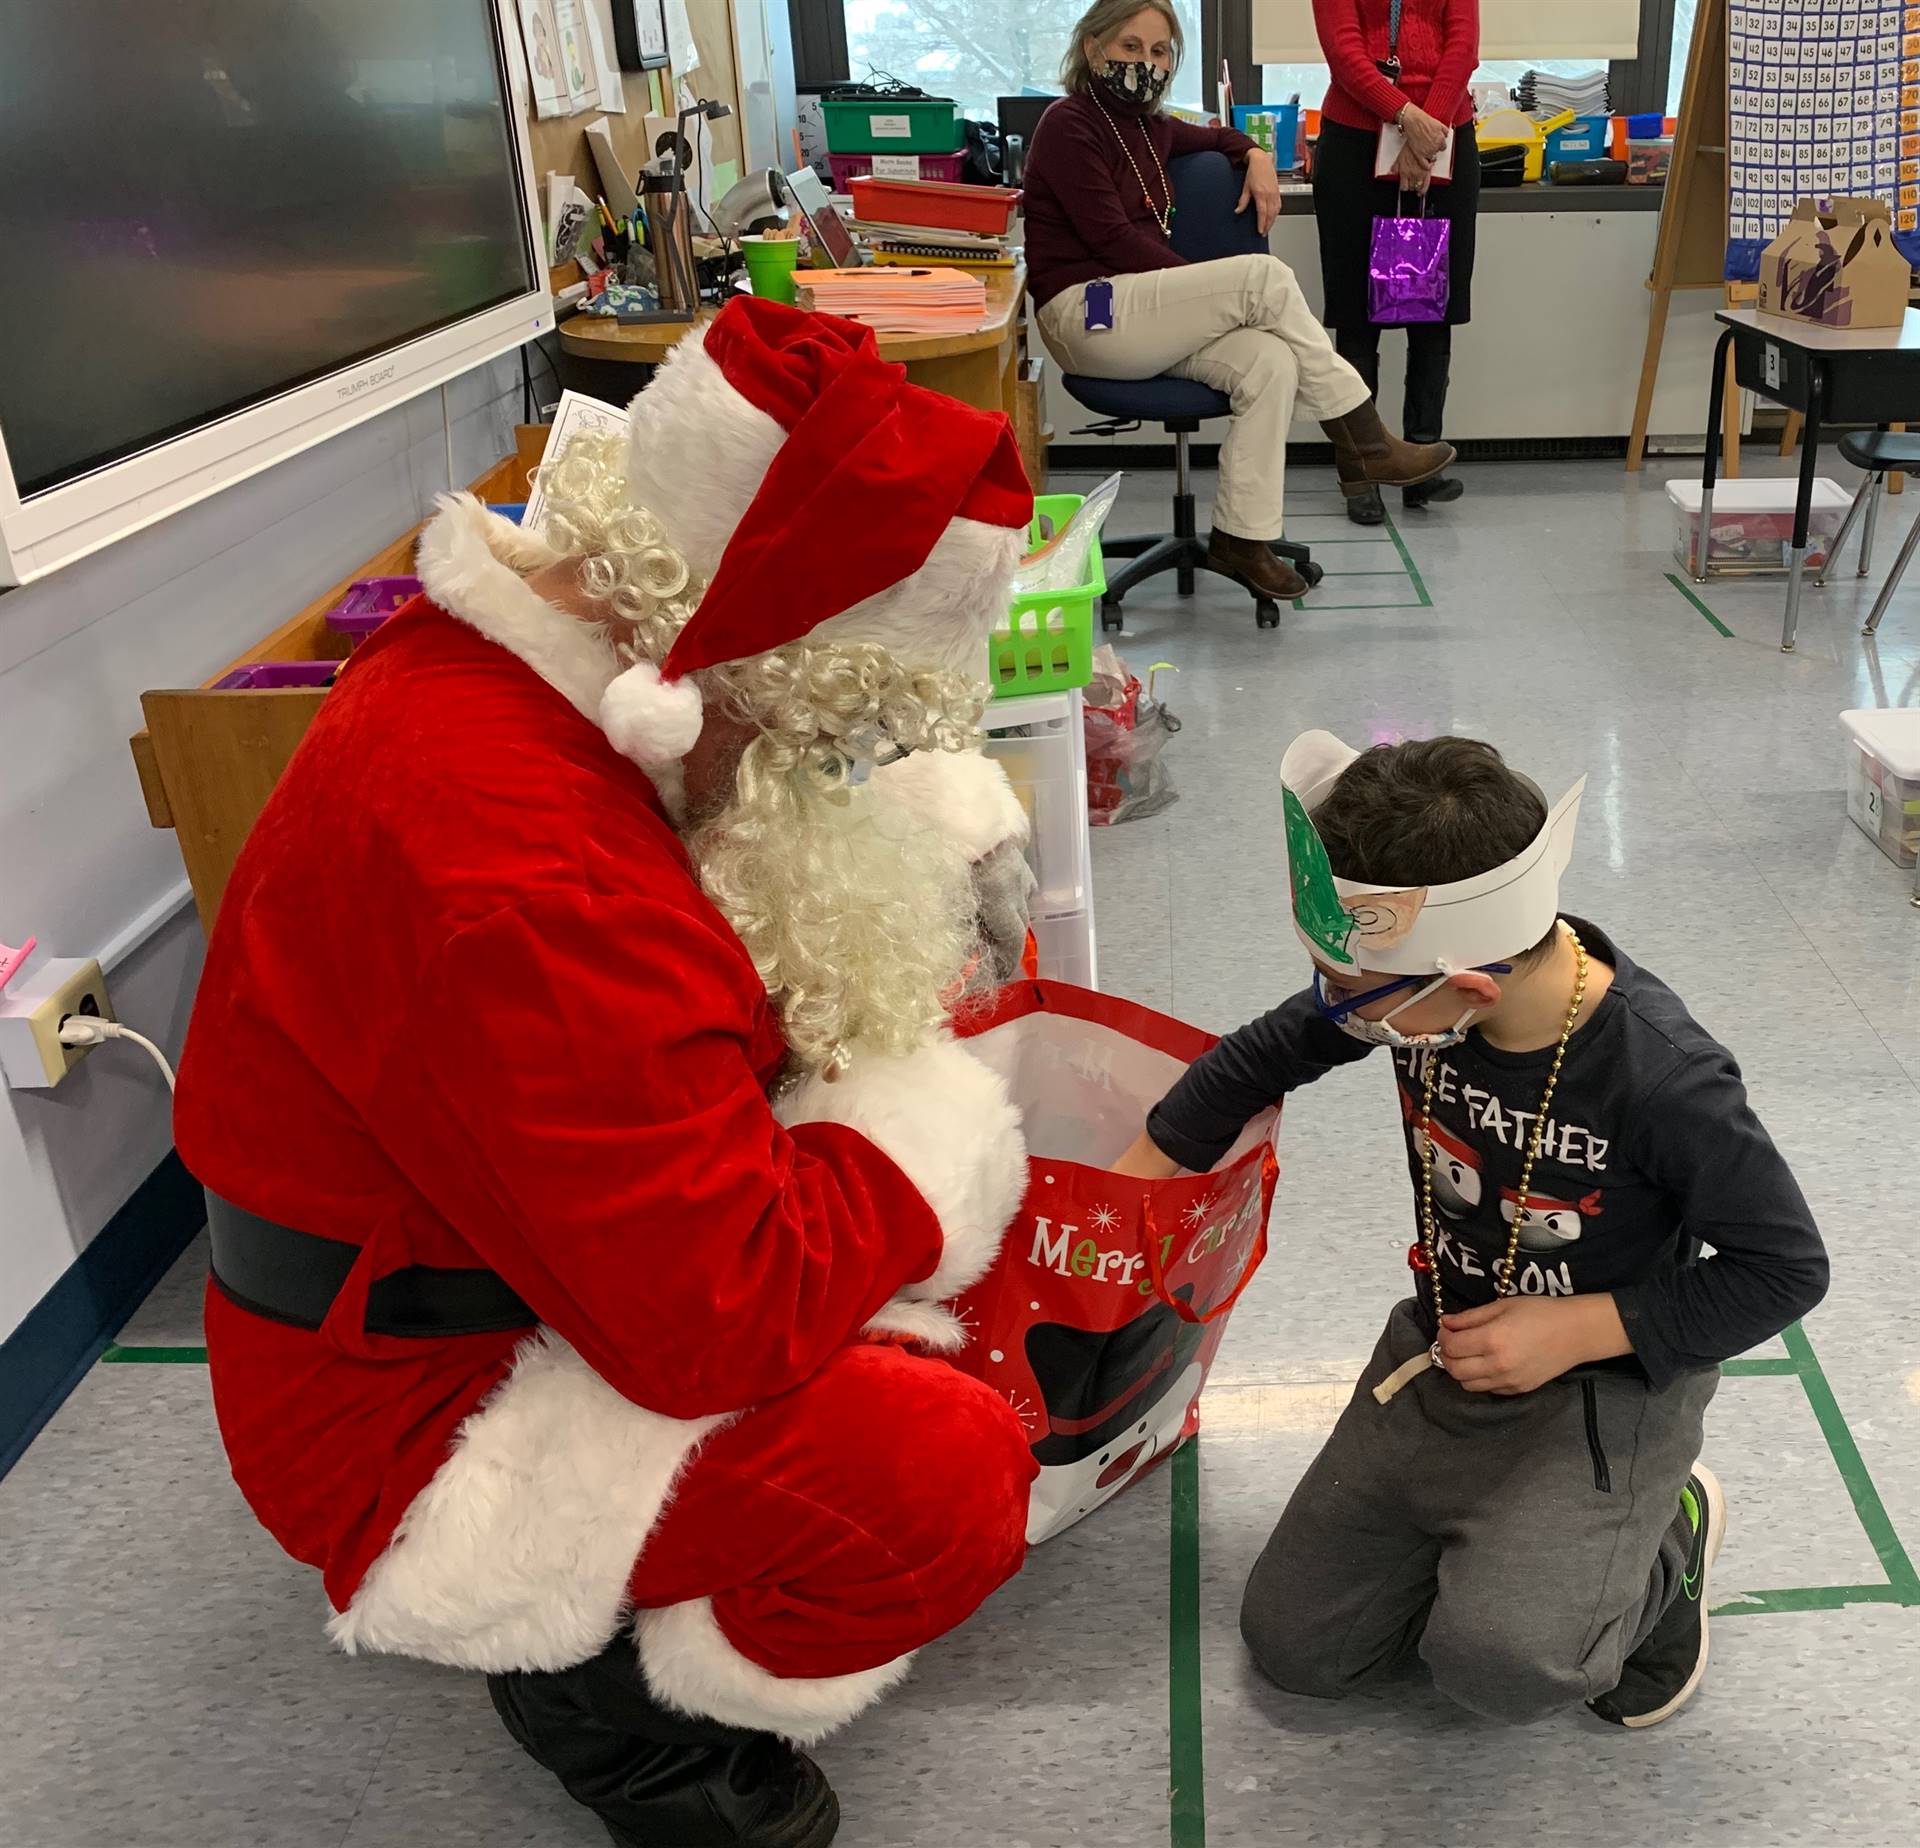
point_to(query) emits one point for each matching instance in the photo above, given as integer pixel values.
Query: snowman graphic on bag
(1114, 1401)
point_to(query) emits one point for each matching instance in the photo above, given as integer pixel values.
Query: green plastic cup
(770, 266)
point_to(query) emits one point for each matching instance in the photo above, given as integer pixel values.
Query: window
(1684, 12)
(978, 50)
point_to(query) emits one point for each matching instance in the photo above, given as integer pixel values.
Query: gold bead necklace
(1503, 1271)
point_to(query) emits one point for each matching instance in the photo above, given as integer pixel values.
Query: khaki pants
(1239, 324)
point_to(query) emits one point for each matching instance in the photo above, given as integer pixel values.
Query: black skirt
(1347, 199)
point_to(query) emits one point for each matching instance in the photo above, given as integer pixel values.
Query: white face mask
(1383, 1032)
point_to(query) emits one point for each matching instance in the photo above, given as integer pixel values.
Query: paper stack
(1542, 93)
(899, 301)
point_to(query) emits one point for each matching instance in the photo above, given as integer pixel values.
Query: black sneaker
(1661, 1676)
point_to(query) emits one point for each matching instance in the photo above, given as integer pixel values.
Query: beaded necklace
(1162, 216)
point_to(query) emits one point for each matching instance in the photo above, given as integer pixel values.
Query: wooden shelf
(207, 760)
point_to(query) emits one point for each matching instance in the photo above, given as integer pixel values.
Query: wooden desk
(978, 369)
(1871, 376)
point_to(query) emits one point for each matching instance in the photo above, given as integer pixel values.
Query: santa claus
(589, 1164)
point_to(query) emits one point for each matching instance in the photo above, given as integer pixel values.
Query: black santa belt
(294, 1277)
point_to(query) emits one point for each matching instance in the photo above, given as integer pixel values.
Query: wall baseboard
(49, 1354)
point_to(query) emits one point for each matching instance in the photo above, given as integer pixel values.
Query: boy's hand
(1521, 1342)
(1144, 1161)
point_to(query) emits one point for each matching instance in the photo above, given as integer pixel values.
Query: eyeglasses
(1338, 1010)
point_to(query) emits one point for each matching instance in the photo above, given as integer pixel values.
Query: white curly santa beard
(860, 923)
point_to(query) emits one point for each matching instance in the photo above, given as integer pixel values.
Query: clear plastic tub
(1753, 523)
(1041, 744)
(1648, 161)
(1883, 780)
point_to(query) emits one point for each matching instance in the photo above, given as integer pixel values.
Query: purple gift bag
(1407, 270)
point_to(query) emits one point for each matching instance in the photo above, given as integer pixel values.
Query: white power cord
(89, 1030)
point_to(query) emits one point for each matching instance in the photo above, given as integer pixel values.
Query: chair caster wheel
(1312, 572)
(1267, 613)
(1111, 618)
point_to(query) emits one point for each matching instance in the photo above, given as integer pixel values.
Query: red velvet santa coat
(466, 1004)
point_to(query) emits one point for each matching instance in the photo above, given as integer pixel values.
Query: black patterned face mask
(1135, 85)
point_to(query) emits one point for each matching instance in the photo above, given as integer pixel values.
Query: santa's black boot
(657, 1778)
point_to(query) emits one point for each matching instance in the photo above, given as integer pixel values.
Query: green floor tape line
(1853, 1470)
(156, 1356)
(1680, 585)
(1903, 1583)
(1186, 1759)
(1413, 570)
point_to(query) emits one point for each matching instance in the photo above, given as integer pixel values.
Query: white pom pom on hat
(653, 721)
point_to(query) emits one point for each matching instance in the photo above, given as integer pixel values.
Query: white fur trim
(940, 616)
(650, 720)
(927, 1325)
(470, 561)
(690, 411)
(964, 795)
(519, 1551)
(947, 1122)
(937, 617)
(691, 1665)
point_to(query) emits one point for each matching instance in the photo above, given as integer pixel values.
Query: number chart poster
(1824, 102)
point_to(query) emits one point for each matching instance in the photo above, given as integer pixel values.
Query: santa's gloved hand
(1003, 886)
(945, 1120)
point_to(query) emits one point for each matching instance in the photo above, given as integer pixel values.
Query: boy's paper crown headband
(1431, 929)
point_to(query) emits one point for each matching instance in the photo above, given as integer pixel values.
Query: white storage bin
(1753, 523)
(1041, 743)
(1883, 779)
(1066, 951)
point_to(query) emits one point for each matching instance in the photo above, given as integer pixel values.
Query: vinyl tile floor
(166, 1680)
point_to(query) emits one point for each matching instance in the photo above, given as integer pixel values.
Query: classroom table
(977, 368)
(1828, 375)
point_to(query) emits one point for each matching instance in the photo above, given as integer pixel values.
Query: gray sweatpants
(1524, 1546)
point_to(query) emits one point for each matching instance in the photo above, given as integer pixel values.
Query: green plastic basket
(889, 125)
(1044, 643)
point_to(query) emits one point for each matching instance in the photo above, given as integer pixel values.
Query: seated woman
(1099, 207)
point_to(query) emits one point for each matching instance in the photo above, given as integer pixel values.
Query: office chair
(1206, 188)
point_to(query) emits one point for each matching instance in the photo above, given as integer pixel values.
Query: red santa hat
(867, 475)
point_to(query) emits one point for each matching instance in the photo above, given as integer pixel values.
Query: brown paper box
(1838, 267)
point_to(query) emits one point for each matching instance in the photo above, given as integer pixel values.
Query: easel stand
(1692, 249)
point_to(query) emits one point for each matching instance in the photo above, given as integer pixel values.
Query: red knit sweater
(1089, 210)
(1439, 49)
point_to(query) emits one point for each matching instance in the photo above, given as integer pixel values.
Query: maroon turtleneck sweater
(1087, 205)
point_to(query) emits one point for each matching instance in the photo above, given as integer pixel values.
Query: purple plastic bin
(368, 603)
(268, 674)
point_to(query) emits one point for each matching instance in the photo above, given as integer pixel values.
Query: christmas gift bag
(1407, 274)
(1101, 1316)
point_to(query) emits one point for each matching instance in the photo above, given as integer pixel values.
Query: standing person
(1405, 64)
(1099, 209)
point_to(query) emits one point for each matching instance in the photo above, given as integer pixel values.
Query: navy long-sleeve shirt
(1650, 1145)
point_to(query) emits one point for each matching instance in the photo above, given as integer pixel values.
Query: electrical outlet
(31, 1011)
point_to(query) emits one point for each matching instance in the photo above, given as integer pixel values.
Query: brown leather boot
(1367, 455)
(1257, 565)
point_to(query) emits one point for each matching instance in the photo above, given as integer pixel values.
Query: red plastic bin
(850, 167)
(985, 210)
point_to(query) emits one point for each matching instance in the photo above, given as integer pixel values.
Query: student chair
(1206, 188)
(1880, 453)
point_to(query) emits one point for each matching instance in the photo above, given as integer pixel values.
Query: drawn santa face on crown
(1456, 1168)
(1549, 1224)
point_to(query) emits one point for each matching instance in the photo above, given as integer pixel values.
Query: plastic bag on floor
(1100, 1317)
(1127, 729)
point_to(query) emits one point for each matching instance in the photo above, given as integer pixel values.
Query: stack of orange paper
(900, 300)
